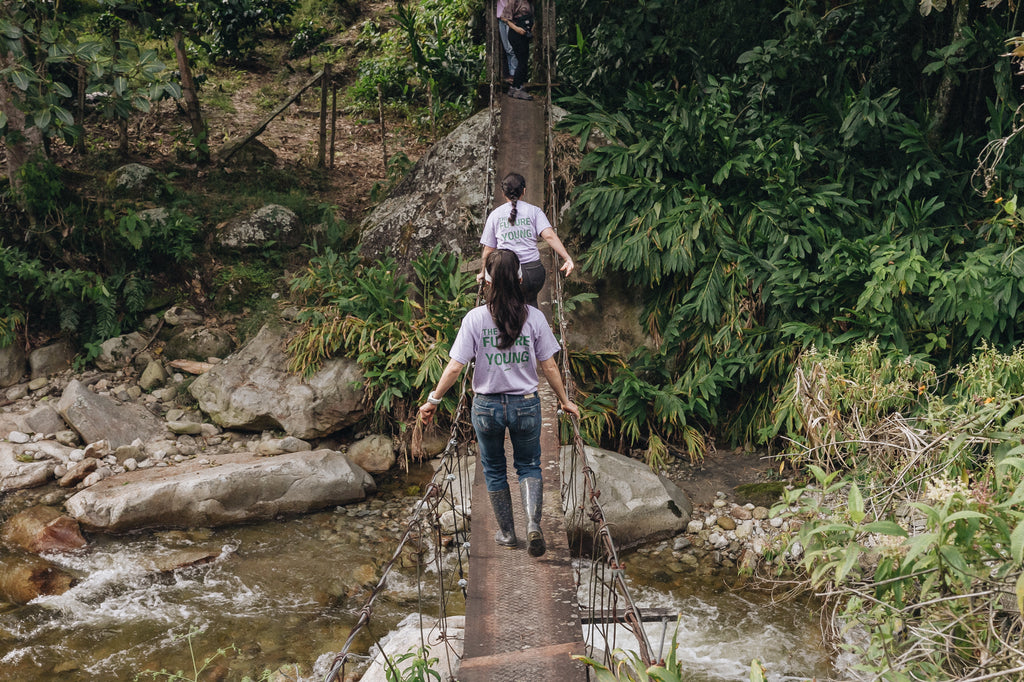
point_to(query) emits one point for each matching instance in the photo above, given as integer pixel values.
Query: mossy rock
(760, 494)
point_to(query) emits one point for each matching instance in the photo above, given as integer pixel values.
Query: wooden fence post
(383, 130)
(322, 148)
(334, 118)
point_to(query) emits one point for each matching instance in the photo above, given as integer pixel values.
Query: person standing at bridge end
(517, 225)
(518, 15)
(507, 339)
(503, 29)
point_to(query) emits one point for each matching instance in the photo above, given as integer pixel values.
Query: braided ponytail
(513, 187)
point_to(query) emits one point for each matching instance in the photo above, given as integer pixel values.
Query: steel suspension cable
(428, 502)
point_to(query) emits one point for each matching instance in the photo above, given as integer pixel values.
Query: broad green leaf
(885, 528)
(852, 553)
(957, 516)
(1017, 543)
(855, 504)
(1020, 593)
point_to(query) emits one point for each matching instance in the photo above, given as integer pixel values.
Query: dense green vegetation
(797, 175)
(819, 202)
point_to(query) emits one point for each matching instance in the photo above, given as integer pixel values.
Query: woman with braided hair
(506, 339)
(517, 225)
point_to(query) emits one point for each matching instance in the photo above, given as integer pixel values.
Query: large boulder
(12, 364)
(200, 343)
(43, 419)
(42, 529)
(96, 417)
(375, 453)
(50, 359)
(442, 201)
(135, 181)
(270, 223)
(241, 487)
(24, 578)
(20, 470)
(117, 352)
(639, 505)
(253, 390)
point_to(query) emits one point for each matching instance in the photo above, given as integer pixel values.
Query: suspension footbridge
(523, 619)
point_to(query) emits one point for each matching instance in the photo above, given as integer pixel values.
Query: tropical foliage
(398, 328)
(432, 56)
(916, 533)
(811, 183)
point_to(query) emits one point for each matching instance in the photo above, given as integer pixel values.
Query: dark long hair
(513, 187)
(505, 299)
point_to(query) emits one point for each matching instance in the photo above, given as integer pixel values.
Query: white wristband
(432, 400)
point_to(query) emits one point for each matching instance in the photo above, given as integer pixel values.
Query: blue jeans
(520, 414)
(512, 62)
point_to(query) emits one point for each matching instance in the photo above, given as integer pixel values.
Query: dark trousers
(533, 281)
(521, 48)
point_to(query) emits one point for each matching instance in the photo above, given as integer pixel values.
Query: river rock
(42, 529)
(199, 344)
(185, 428)
(153, 376)
(726, 523)
(44, 419)
(12, 364)
(180, 316)
(77, 472)
(15, 393)
(441, 201)
(740, 513)
(97, 417)
(50, 359)
(100, 474)
(116, 353)
(639, 505)
(17, 470)
(374, 453)
(23, 578)
(53, 450)
(270, 223)
(454, 521)
(253, 390)
(243, 487)
(408, 636)
(18, 437)
(279, 446)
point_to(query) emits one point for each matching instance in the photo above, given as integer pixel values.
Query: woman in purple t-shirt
(517, 225)
(506, 338)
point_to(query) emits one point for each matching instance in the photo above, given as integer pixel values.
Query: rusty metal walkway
(522, 617)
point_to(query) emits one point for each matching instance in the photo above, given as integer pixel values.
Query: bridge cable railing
(449, 477)
(608, 590)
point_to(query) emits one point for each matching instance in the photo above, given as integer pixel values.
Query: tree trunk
(188, 91)
(945, 94)
(22, 144)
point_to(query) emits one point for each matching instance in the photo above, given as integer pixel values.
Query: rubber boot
(532, 490)
(501, 502)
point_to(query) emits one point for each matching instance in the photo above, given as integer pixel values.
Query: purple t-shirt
(521, 237)
(513, 370)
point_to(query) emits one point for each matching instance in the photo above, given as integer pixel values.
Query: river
(287, 592)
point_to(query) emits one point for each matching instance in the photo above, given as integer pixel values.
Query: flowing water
(287, 592)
